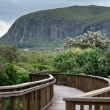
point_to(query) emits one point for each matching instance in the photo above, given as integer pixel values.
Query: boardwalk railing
(36, 95)
(97, 91)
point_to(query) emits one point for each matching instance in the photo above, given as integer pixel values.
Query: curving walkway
(60, 92)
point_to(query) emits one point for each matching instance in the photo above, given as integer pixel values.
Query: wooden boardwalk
(61, 92)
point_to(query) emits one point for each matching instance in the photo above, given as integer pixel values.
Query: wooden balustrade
(87, 103)
(85, 83)
(97, 91)
(36, 95)
(94, 87)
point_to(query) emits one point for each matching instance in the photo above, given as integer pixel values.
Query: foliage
(9, 77)
(23, 74)
(16, 64)
(77, 61)
(94, 62)
(105, 63)
(28, 67)
(96, 40)
(36, 60)
(8, 53)
(13, 75)
(41, 67)
(41, 44)
(75, 57)
(2, 66)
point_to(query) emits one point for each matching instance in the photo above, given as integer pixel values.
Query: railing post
(12, 103)
(39, 100)
(51, 91)
(2, 103)
(70, 105)
(28, 97)
(97, 107)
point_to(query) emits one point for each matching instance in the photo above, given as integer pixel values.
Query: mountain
(40, 28)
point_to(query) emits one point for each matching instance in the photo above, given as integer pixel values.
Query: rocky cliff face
(59, 23)
(22, 30)
(103, 26)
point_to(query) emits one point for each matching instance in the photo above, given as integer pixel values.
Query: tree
(97, 40)
(8, 53)
(2, 66)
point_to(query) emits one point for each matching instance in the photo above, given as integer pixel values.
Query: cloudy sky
(10, 10)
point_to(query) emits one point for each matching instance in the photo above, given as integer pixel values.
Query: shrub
(10, 76)
(27, 66)
(9, 53)
(77, 61)
(2, 66)
(41, 67)
(105, 63)
(90, 39)
(23, 74)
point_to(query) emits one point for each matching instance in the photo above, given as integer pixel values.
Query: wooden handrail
(88, 103)
(97, 91)
(79, 81)
(25, 91)
(88, 99)
(97, 99)
(38, 93)
(35, 95)
(26, 84)
(94, 86)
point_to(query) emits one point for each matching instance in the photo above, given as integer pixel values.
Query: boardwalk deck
(61, 92)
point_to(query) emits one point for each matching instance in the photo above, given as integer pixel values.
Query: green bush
(23, 74)
(77, 61)
(9, 53)
(41, 67)
(105, 63)
(97, 40)
(91, 62)
(13, 75)
(36, 60)
(27, 66)
(2, 66)
(10, 76)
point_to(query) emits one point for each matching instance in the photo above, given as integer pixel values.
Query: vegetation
(96, 40)
(36, 29)
(36, 60)
(41, 44)
(77, 61)
(18, 63)
(92, 13)
(75, 56)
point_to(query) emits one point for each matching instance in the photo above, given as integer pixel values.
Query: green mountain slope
(55, 24)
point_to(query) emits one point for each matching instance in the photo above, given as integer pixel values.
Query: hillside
(45, 27)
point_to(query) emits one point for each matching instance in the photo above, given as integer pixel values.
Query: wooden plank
(18, 101)
(90, 107)
(38, 99)
(2, 103)
(88, 99)
(70, 106)
(28, 101)
(12, 103)
(81, 107)
(24, 102)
